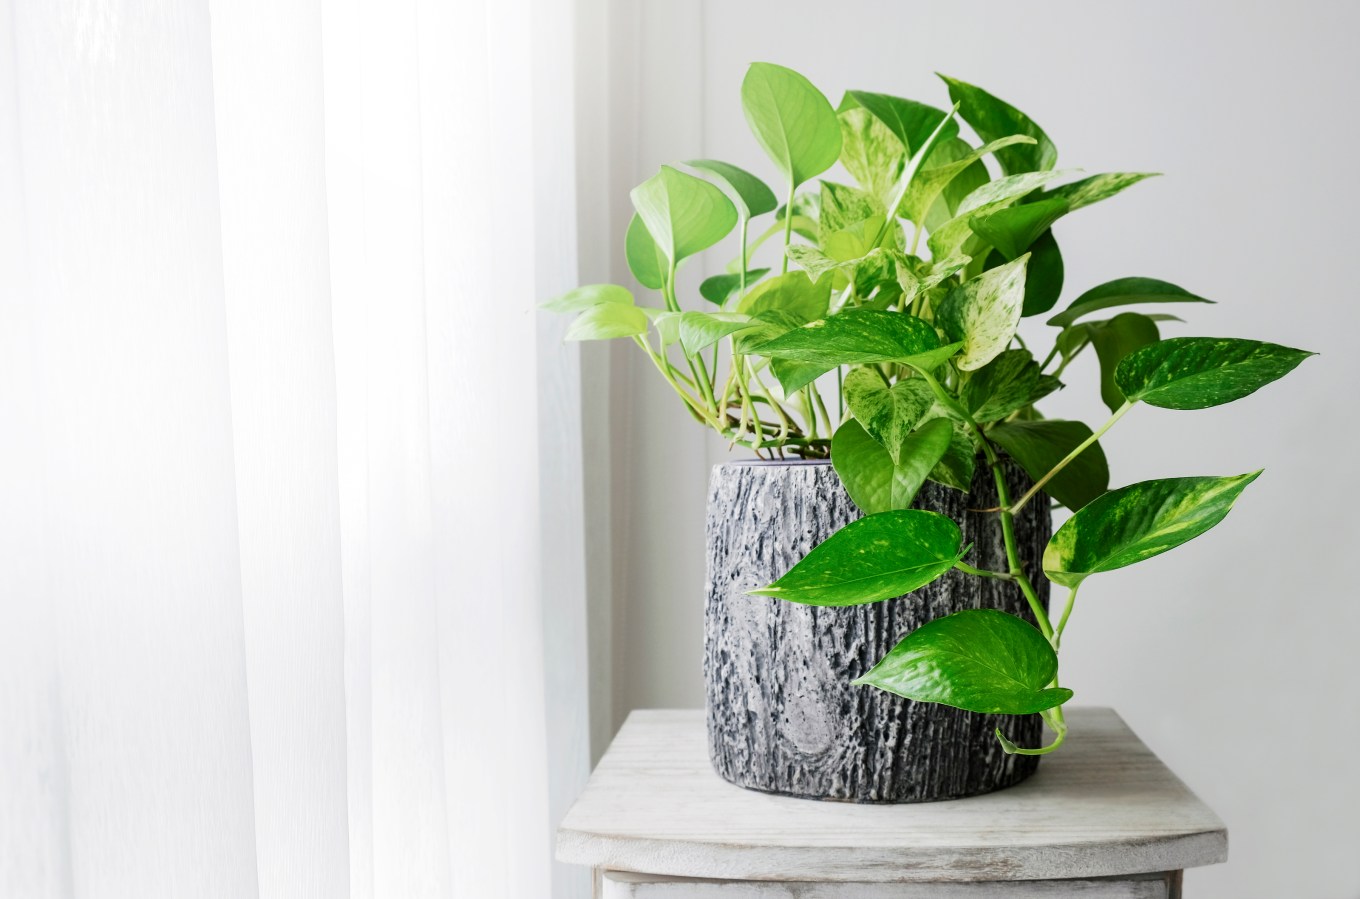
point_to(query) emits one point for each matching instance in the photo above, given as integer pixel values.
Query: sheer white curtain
(291, 584)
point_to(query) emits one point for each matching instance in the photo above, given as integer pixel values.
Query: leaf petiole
(982, 572)
(1054, 718)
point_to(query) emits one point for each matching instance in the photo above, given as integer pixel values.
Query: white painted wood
(1102, 806)
(617, 885)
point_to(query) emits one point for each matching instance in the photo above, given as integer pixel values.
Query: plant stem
(1049, 358)
(840, 396)
(809, 416)
(690, 402)
(1081, 448)
(745, 221)
(982, 572)
(1054, 718)
(1017, 571)
(1062, 621)
(821, 407)
(788, 230)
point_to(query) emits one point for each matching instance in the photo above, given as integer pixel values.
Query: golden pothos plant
(902, 295)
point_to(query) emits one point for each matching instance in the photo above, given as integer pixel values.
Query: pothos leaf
(873, 479)
(718, 289)
(765, 326)
(684, 214)
(1040, 445)
(1095, 188)
(645, 259)
(751, 195)
(608, 320)
(1007, 383)
(931, 181)
(1115, 339)
(792, 292)
(875, 558)
(1138, 522)
(870, 152)
(854, 337)
(979, 660)
(700, 330)
(792, 121)
(984, 313)
(909, 121)
(844, 206)
(582, 298)
(1123, 292)
(1199, 372)
(993, 118)
(888, 414)
(955, 468)
(794, 376)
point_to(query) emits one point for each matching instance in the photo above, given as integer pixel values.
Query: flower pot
(782, 714)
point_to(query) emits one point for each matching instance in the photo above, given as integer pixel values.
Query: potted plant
(877, 628)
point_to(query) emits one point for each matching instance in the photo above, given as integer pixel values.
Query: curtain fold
(291, 574)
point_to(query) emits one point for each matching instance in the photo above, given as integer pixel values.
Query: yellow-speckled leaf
(1138, 522)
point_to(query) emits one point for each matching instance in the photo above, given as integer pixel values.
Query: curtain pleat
(139, 564)
(291, 583)
(270, 125)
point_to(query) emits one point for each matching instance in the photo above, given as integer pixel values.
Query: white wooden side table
(1102, 818)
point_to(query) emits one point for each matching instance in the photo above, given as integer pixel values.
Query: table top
(1103, 805)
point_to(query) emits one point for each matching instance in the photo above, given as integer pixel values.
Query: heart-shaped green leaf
(1114, 340)
(870, 152)
(1040, 445)
(949, 164)
(765, 326)
(889, 414)
(1012, 229)
(955, 468)
(879, 557)
(792, 292)
(700, 330)
(667, 325)
(984, 313)
(645, 259)
(1138, 522)
(751, 195)
(1095, 188)
(854, 337)
(1009, 382)
(794, 376)
(792, 120)
(979, 660)
(1123, 292)
(910, 122)
(930, 360)
(582, 298)
(950, 237)
(1199, 372)
(993, 118)
(721, 288)
(812, 260)
(1043, 275)
(608, 320)
(843, 206)
(684, 214)
(874, 481)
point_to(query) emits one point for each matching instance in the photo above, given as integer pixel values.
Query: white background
(1233, 658)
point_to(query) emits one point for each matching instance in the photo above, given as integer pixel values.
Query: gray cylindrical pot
(782, 715)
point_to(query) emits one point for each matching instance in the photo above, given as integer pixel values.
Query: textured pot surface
(782, 715)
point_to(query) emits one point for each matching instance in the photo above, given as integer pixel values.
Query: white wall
(1233, 658)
